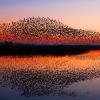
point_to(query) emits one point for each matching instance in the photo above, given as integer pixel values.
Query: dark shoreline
(9, 48)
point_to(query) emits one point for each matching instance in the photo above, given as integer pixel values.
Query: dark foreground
(9, 48)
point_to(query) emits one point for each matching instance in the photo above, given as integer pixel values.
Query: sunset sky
(83, 14)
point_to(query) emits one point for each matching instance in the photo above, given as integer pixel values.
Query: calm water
(50, 77)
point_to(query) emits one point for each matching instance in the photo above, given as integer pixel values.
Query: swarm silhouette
(42, 27)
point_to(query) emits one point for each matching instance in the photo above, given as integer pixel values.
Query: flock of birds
(42, 27)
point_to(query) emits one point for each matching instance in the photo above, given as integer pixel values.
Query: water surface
(50, 77)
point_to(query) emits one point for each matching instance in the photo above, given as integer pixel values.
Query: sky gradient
(84, 14)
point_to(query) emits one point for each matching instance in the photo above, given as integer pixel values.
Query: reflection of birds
(42, 83)
(42, 27)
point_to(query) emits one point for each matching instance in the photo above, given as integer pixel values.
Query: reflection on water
(48, 75)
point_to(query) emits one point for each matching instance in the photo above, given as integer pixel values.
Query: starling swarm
(36, 28)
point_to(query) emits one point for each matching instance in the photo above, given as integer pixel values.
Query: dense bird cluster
(42, 27)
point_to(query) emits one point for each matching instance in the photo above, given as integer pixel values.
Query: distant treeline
(9, 48)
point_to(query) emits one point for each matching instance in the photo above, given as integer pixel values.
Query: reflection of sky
(76, 13)
(32, 81)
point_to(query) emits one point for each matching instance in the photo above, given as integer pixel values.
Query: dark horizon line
(19, 49)
(52, 44)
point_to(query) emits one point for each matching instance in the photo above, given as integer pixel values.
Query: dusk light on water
(49, 49)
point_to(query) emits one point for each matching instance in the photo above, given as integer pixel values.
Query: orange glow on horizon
(48, 39)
